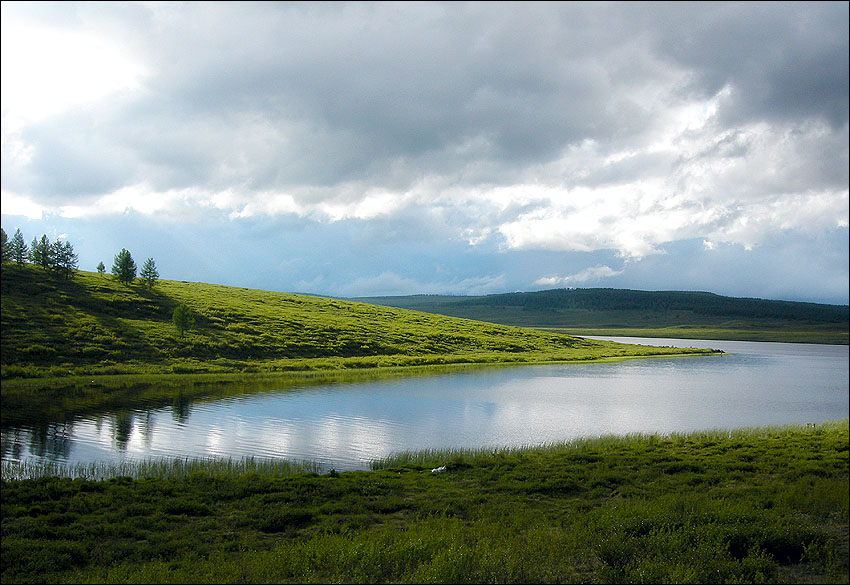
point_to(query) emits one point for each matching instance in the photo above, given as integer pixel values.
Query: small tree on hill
(124, 268)
(149, 273)
(41, 252)
(182, 318)
(101, 268)
(19, 249)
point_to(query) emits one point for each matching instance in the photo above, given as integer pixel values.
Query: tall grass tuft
(170, 468)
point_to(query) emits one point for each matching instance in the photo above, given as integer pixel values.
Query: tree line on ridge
(59, 258)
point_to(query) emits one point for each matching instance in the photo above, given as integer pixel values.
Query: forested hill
(700, 303)
(611, 311)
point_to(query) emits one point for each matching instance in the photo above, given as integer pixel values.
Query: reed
(454, 457)
(164, 468)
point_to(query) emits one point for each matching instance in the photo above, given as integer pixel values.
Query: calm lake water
(344, 426)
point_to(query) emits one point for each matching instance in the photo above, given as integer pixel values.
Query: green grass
(748, 506)
(93, 325)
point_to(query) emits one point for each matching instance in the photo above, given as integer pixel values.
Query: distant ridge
(702, 303)
(651, 313)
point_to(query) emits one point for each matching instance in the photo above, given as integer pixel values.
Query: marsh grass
(439, 457)
(742, 506)
(164, 468)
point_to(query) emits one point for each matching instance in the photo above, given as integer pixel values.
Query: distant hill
(651, 313)
(95, 325)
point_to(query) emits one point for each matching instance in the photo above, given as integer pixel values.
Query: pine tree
(20, 250)
(149, 273)
(42, 252)
(101, 268)
(5, 247)
(64, 260)
(124, 267)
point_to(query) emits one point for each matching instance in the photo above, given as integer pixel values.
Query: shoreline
(182, 467)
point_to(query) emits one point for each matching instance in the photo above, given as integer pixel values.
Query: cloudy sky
(380, 149)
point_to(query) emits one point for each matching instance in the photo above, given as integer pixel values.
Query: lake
(345, 426)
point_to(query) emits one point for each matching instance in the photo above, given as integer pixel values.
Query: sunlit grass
(93, 325)
(446, 457)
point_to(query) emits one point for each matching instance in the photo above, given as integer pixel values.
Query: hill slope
(95, 325)
(648, 313)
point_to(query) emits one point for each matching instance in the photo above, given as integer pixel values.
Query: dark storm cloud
(269, 96)
(344, 92)
(784, 60)
(521, 136)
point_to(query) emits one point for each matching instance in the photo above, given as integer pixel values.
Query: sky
(363, 149)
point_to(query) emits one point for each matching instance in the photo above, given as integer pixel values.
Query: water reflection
(345, 426)
(146, 426)
(122, 428)
(180, 408)
(50, 441)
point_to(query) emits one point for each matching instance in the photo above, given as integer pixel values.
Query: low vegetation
(97, 325)
(749, 506)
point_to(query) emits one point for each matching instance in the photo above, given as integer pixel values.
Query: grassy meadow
(765, 505)
(94, 325)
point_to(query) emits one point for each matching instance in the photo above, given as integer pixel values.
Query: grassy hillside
(644, 313)
(95, 325)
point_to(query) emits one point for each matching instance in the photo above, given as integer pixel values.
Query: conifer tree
(63, 258)
(19, 249)
(101, 268)
(42, 252)
(124, 268)
(5, 246)
(149, 273)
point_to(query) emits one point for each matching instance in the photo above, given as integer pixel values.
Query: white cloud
(592, 274)
(48, 70)
(19, 205)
